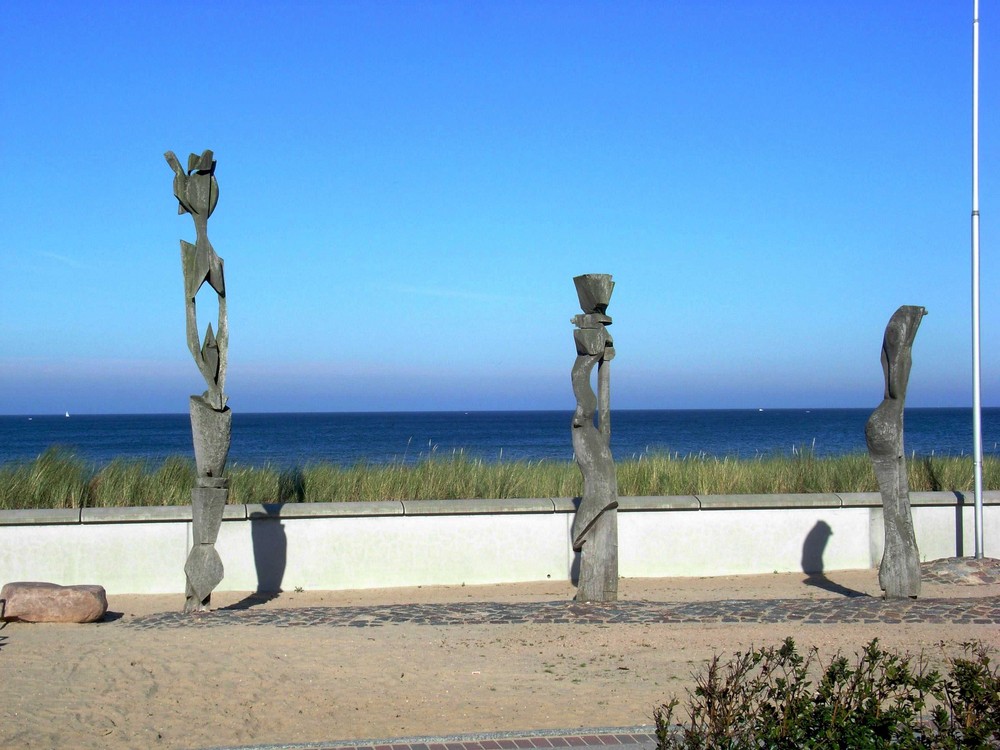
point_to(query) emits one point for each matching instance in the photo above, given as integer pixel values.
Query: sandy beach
(118, 685)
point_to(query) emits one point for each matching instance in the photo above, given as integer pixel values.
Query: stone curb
(580, 739)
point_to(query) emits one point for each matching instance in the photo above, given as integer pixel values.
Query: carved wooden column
(211, 420)
(595, 526)
(899, 572)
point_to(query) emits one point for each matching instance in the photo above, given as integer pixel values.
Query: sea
(285, 441)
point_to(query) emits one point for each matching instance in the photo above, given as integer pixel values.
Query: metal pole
(977, 427)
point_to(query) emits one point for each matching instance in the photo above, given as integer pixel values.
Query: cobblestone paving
(524, 743)
(865, 609)
(962, 570)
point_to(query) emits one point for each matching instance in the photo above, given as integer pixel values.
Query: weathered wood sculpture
(899, 572)
(595, 526)
(211, 420)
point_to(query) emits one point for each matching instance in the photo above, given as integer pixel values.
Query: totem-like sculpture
(899, 573)
(595, 526)
(211, 420)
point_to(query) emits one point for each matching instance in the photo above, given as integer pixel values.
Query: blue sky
(408, 188)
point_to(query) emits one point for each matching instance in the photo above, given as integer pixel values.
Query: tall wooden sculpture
(595, 526)
(211, 420)
(899, 572)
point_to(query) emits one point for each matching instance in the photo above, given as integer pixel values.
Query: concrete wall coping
(567, 504)
(860, 499)
(276, 511)
(136, 514)
(477, 507)
(949, 498)
(783, 501)
(953, 498)
(39, 516)
(659, 502)
(182, 513)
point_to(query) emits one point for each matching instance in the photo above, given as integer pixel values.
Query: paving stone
(850, 609)
(862, 609)
(630, 738)
(967, 571)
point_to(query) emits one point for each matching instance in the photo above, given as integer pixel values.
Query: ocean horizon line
(294, 438)
(568, 409)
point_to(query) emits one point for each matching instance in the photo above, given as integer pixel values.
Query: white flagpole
(977, 427)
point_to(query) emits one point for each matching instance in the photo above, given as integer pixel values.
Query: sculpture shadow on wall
(270, 554)
(574, 567)
(270, 543)
(812, 561)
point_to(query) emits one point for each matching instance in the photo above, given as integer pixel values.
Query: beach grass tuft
(59, 479)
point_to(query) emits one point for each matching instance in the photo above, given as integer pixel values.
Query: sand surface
(108, 685)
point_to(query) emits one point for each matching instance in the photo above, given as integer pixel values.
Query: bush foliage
(765, 698)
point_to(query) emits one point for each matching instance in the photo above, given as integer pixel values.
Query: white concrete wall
(740, 541)
(124, 558)
(360, 553)
(376, 545)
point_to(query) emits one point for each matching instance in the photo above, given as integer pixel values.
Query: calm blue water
(287, 440)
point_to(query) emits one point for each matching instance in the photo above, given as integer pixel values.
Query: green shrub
(765, 698)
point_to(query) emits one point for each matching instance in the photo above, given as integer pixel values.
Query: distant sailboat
(67, 414)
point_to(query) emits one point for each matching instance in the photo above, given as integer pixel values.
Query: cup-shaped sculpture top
(594, 291)
(896, 347)
(196, 190)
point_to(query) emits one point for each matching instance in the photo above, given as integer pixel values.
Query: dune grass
(58, 479)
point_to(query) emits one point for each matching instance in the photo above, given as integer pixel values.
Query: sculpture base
(194, 604)
(899, 571)
(203, 568)
(599, 561)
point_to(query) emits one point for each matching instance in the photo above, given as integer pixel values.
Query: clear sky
(408, 188)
